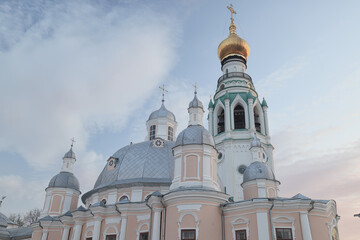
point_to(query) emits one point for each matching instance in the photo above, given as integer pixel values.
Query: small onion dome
(255, 142)
(162, 112)
(64, 180)
(258, 170)
(70, 154)
(196, 103)
(264, 103)
(227, 95)
(249, 95)
(233, 45)
(194, 134)
(211, 104)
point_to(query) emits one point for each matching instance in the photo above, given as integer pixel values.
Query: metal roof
(258, 170)
(162, 112)
(138, 164)
(65, 180)
(196, 103)
(70, 154)
(194, 134)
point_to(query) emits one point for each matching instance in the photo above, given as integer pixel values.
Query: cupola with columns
(194, 153)
(63, 191)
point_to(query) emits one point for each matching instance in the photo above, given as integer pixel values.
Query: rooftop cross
(196, 87)
(163, 92)
(232, 11)
(72, 142)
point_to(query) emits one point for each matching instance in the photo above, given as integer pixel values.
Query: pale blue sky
(91, 70)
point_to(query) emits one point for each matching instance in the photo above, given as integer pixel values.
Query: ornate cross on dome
(232, 11)
(72, 142)
(195, 87)
(163, 92)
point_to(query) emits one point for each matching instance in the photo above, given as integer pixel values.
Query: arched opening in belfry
(257, 120)
(239, 117)
(221, 121)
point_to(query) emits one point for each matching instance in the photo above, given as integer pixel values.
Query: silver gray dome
(258, 170)
(70, 154)
(196, 103)
(138, 164)
(64, 180)
(194, 134)
(162, 112)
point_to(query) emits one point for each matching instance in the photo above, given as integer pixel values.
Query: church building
(213, 183)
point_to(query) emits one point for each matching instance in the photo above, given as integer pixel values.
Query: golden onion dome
(233, 45)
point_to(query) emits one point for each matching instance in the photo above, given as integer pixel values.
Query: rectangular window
(241, 235)
(284, 234)
(144, 236)
(152, 132)
(170, 134)
(110, 237)
(89, 238)
(188, 235)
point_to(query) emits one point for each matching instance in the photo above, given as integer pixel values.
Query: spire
(196, 110)
(211, 104)
(232, 27)
(69, 159)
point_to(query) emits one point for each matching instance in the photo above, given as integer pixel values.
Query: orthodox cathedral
(216, 183)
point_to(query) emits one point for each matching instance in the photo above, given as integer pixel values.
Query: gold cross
(196, 87)
(232, 11)
(163, 92)
(72, 142)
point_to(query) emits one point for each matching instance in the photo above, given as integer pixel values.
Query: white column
(77, 231)
(156, 225)
(227, 115)
(305, 226)
(65, 235)
(262, 225)
(44, 235)
(67, 202)
(211, 121)
(97, 228)
(266, 121)
(251, 114)
(123, 227)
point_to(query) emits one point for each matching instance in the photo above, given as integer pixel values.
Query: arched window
(239, 117)
(221, 121)
(257, 120)
(170, 134)
(123, 198)
(152, 131)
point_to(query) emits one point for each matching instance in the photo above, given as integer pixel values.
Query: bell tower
(236, 114)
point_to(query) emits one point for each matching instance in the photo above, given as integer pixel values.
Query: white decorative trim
(187, 207)
(116, 231)
(331, 225)
(51, 203)
(87, 232)
(285, 219)
(89, 224)
(197, 221)
(113, 220)
(239, 221)
(198, 167)
(138, 230)
(142, 217)
(123, 195)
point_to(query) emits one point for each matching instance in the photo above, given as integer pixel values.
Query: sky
(92, 70)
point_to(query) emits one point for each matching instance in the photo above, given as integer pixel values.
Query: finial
(72, 142)
(2, 199)
(232, 27)
(196, 87)
(163, 92)
(210, 97)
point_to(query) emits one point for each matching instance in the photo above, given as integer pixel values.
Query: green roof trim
(264, 103)
(211, 104)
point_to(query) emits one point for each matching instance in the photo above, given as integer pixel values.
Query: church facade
(215, 183)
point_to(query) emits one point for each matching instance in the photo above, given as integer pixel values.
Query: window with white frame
(111, 237)
(284, 234)
(188, 234)
(144, 236)
(240, 235)
(170, 134)
(152, 131)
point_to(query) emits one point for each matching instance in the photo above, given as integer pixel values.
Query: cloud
(71, 67)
